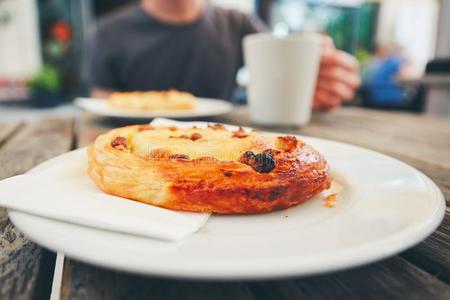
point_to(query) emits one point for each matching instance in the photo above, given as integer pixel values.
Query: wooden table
(423, 272)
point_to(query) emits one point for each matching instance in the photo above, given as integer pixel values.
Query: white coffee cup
(282, 77)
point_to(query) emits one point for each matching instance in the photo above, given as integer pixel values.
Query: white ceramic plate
(205, 107)
(383, 207)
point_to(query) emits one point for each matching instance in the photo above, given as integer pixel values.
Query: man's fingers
(336, 88)
(333, 73)
(337, 79)
(339, 58)
(326, 42)
(325, 101)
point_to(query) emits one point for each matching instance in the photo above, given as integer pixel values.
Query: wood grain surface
(25, 268)
(391, 279)
(419, 273)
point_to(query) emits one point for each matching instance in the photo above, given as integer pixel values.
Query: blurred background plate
(205, 107)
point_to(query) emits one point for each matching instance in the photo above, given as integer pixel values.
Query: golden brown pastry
(152, 101)
(207, 170)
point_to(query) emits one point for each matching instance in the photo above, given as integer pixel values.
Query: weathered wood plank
(7, 129)
(35, 143)
(82, 281)
(25, 268)
(391, 279)
(432, 254)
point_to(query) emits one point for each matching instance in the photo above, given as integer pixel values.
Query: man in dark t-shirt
(192, 46)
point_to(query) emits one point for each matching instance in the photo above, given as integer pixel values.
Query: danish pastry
(207, 169)
(152, 101)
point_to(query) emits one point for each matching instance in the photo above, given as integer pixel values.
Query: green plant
(47, 79)
(363, 56)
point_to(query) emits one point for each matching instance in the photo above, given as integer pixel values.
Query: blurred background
(403, 47)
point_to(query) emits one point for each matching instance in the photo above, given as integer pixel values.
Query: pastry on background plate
(152, 100)
(207, 169)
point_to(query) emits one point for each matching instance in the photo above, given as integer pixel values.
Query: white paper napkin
(64, 192)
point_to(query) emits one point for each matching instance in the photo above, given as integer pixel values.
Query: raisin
(261, 163)
(240, 133)
(264, 162)
(119, 142)
(247, 158)
(195, 136)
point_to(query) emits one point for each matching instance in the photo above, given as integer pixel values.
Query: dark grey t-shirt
(134, 52)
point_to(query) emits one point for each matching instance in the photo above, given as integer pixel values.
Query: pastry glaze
(207, 170)
(152, 100)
